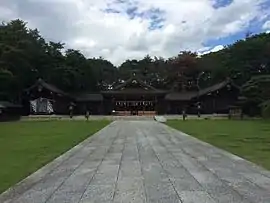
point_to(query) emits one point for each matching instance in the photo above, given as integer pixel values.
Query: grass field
(27, 146)
(247, 139)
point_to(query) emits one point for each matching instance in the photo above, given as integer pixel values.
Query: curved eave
(113, 92)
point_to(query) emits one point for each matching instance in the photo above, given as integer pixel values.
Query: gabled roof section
(217, 87)
(47, 86)
(7, 104)
(186, 96)
(180, 96)
(134, 83)
(85, 97)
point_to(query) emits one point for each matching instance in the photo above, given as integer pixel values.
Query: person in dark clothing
(199, 110)
(71, 111)
(87, 113)
(184, 114)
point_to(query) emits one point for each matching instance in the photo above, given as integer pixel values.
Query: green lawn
(248, 139)
(27, 146)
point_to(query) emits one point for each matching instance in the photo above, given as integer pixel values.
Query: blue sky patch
(154, 15)
(222, 3)
(132, 12)
(265, 5)
(111, 10)
(225, 40)
(255, 27)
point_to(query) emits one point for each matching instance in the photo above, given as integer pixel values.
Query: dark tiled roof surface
(185, 96)
(134, 91)
(214, 88)
(47, 86)
(130, 81)
(6, 104)
(143, 89)
(181, 96)
(84, 97)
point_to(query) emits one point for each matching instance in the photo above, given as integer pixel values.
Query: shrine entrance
(135, 107)
(133, 97)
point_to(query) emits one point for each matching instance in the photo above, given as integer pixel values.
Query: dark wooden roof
(47, 86)
(7, 104)
(217, 87)
(135, 91)
(181, 96)
(186, 96)
(134, 80)
(135, 86)
(85, 97)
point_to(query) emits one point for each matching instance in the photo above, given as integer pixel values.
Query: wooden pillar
(125, 103)
(143, 104)
(214, 104)
(156, 104)
(101, 108)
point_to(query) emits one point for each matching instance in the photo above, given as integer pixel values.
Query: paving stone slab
(196, 197)
(130, 190)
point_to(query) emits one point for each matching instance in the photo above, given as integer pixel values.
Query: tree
(265, 109)
(103, 71)
(21, 49)
(183, 70)
(258, 88)
(127, 68)
(6, 83)
(257, 92)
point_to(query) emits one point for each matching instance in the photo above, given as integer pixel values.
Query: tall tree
(182, 70)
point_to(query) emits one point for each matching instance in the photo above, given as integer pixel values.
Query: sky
(118, 30)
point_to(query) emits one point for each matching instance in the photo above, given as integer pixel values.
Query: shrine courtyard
(135, 161)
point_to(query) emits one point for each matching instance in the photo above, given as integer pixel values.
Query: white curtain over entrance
(41, 105)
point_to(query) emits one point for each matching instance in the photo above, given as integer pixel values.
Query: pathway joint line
(119, 168)
(139, 157)
(180, 199)
(99, 166)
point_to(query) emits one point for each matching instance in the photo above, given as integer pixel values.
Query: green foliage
(242, 60)
(257, 88)
(257, 92)
(25, 56)
(6, 80)
(265, 108)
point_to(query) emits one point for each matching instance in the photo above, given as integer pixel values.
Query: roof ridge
(134, 77)
(46, 85)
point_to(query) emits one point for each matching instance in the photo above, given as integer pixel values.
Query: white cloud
(207, 50)
(83, 24)
(266, 25)
(217, 48)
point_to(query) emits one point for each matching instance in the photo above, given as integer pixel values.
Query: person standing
(71, 111)
(184, 114)
(199, 110)
(87, 113)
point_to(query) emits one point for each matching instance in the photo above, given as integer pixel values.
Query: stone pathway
(144, 161)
